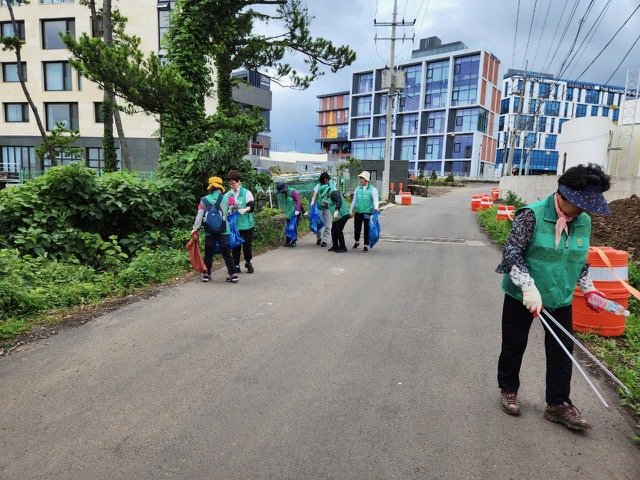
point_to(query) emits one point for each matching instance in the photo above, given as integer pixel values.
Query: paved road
(318, 366)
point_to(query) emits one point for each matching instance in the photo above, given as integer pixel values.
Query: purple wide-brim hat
(590, 199)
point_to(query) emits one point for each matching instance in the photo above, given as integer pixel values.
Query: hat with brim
(282, 187)
(590, 199)
(366, 175)
(215, 182)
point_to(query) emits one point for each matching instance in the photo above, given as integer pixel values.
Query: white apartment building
(547, 103)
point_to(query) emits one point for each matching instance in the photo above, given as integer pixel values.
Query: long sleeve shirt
(359, 191)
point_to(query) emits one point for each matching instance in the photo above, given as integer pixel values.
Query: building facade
(445, 117)
(333, 123)
(255, 90)
(60, 93)
(534, 108)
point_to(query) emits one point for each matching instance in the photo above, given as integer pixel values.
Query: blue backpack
(213, 221)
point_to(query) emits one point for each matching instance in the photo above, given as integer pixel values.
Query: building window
(65, 113)
(434, 148)
(52, 28)
(409, 124)
(14, 159)
(57, 76)
(504, 106)
(543, 90)
(363, 128)
(552, 109)
(94, 158)
(501, 124)
(435, 122)
(6, 29)
(594, 110)
(364, 106)
(542, 124)
(380, 127)
(15, 3)
(465, 80)
(164, 19)
(436, 85)
(550, 142)
(532, 105)
(592, 96)
(581, 111)
(605, 111)
(611, 99)
(553, 125)
(365, 82)
(97, 112)
(569, 96)
(16, 112)
(616, 115)
(408, 149)
(10, 72)
(55, 1)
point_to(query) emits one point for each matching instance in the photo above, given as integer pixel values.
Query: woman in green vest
(340, 214)
(215, 189)
(292, 209)
(321, 193)
(544, 259)
(365, 202)
(245, 206)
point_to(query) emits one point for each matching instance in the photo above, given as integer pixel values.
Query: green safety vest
(342, 211)
(244, 222)
(364, 199)
(554, 271)
(290, 204)
(324, 191)
(224, 206)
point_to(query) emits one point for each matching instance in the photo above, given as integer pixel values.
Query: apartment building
(333, 123)
(59, 92)
(534, 108)
(445, 117)
(255, 90)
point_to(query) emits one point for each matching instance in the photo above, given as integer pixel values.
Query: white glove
(242, 211)
(296, 212)
(531, 299)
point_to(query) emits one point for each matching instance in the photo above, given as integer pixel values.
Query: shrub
(514, 200)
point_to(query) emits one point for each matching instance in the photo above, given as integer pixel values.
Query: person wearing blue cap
(545, 257)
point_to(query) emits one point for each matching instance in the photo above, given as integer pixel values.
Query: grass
(621, 355)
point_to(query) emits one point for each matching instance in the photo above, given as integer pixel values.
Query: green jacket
(245, 221)
(324, 192)
(555, 272)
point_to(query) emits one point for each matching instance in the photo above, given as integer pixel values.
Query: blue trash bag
(235, 239)
(291, 230)
(374, 229)
(315, 219)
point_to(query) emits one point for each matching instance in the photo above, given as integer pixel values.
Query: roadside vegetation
(620, 354)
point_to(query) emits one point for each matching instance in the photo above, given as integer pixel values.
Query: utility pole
(395, 83)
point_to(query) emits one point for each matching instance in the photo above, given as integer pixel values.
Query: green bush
(514, 200)
(498, 230)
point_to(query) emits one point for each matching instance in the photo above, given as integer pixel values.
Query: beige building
(59, 92)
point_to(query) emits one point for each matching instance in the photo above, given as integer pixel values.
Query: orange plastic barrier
(400, 187)
(505, 212)
(393, 186)
(605, 324)
(495, 193)
(485, 203)
(406, 198)
(475, 202)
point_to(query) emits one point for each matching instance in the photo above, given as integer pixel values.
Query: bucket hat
(282, 187)
(590, 199)
(366, 175)
(215, 182)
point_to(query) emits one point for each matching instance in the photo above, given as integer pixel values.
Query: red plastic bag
(193, 246)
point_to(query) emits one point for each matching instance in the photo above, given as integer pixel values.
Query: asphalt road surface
(318, 366)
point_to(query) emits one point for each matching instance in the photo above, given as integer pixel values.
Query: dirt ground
(621, 229)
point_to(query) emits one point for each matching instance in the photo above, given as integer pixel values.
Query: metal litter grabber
(586, 351)
(575, 362)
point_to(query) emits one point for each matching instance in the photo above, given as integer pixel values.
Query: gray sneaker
(509, 401)
(566, 414)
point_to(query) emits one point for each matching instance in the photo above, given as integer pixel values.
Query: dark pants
(358, 220)
(210, 247)
(516, 323)
(337, 235)
(247, 235)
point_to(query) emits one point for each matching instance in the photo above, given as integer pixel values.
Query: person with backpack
(365, 202)
(244, 201)
(340, 214)
(321, 193)
(212, 214)
(292, 209)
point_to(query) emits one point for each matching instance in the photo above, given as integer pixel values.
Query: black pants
(337, 234)
(516, 323)
(247, 235)
(358, 220)
(210, 247)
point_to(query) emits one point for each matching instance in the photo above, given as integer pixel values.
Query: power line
(581, 22)
(515, 36)
(526, 50)
(622, 61)
(554, 34)
(609, 42)
(564, 32)
(544, 24)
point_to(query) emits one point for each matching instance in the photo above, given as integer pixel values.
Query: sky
(489, 24)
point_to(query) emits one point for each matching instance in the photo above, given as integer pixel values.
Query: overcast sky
(490, 24)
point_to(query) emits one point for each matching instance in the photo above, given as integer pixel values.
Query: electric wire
(564, 33)
(515, 35)
(609, 42)
(544, 24)
(581, 23)
(526, 50)
(622, 61)
(554, 34)
(590, 34)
